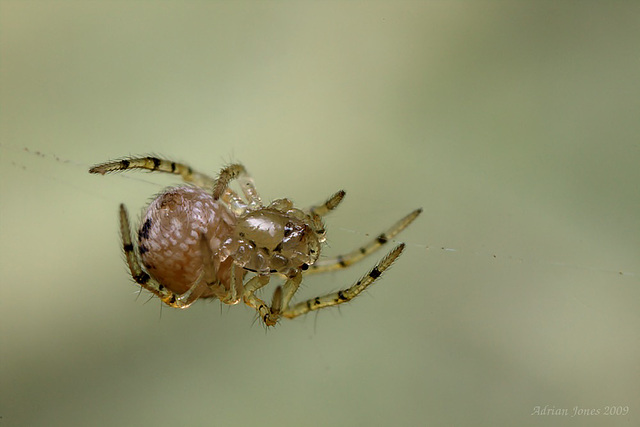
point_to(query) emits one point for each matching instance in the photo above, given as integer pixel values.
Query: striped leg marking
(348, 294)
(155, 164)
(343, 261)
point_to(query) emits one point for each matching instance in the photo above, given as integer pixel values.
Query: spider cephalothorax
(200, 241)
(275, 239)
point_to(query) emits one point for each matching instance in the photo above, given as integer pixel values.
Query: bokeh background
(514, 124)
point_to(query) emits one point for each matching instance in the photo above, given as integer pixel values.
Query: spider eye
(288, 229)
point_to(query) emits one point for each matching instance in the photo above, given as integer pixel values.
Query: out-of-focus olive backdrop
(515, 125)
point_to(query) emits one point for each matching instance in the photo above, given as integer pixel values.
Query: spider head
(277, 238)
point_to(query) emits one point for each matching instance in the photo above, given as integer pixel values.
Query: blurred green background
(513, 124)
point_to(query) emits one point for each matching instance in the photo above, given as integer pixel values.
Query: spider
(202, 240)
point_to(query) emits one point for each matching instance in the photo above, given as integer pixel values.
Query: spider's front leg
(348, 294)
(345, 260)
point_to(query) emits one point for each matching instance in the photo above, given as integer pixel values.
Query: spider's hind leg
(155, 164)
(142, 278)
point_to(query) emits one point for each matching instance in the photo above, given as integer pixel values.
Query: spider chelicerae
(202, 240)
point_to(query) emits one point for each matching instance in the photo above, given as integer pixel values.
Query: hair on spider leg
(138, 292)
(315, 322)
(317, 316)
(151, 297)
(256, 317)
(220, 304)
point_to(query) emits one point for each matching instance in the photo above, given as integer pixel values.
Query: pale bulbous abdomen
(169, 238)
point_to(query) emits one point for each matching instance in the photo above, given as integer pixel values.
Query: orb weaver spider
(201, 240)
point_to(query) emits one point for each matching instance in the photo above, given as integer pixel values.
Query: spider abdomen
(170, 234)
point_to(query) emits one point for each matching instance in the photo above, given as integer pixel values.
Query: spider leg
(290, 288)
(269, 315)
(155, 164)
(207, 279)
(331, 203)
(279, 302)
(237, 172)
(159, 165)
(343, 261)
(348, 294)
(142, 278)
